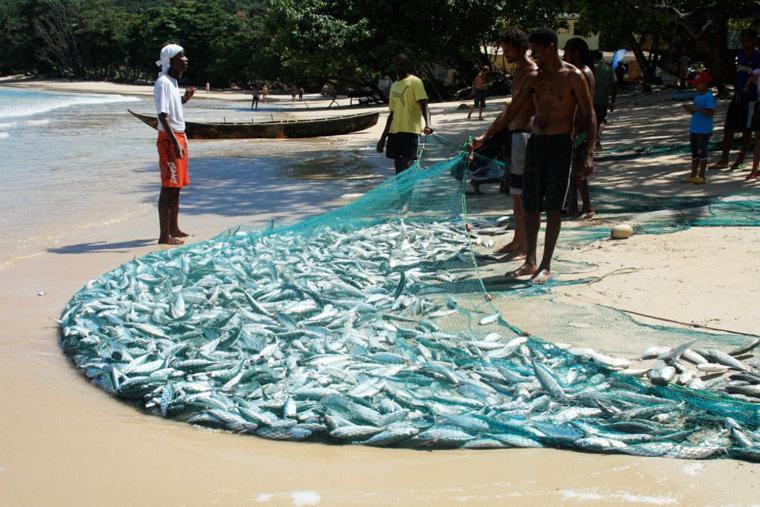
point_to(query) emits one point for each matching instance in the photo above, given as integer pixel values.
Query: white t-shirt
(168, 100)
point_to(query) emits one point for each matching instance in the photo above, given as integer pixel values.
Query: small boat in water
(316, 127)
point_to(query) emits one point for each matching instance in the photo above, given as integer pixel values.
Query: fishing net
(373, 324)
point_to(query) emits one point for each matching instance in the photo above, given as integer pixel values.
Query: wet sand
(64, 441)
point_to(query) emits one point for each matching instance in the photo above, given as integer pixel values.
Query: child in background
(702, 111)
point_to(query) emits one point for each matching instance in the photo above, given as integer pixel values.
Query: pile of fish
(380, 336)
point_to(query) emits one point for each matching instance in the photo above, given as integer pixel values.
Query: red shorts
(173, 169)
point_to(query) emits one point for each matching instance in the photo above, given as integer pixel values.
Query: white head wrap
(167, 53)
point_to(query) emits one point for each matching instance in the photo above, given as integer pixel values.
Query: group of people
(552, 131)
(552, 127)
(743, 114)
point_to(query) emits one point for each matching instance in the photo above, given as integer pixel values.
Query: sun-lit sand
(65, 442)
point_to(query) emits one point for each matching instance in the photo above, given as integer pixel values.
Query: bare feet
(169, 240)
(524, 270)
(541, 276)
(753, 175)
(179, 234)
(587, 215)
(513, 249)
(720, 164)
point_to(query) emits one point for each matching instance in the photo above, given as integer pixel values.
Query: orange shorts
(173, 169)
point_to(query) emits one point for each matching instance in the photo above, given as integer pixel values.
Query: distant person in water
(265, 93)
(172, 143)
(408, 104)
(479, 92)
(563, 102)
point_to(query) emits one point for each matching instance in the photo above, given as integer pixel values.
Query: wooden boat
(316, 127)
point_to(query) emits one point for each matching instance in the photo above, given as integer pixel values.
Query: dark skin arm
(502, 121)
(613, 93)
(426, 115)
(707, 112)
(586, 112)
(384, 135)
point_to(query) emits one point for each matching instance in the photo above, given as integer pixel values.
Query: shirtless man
(514, 43)
(556, 90)
(479, 92)
(578, 54)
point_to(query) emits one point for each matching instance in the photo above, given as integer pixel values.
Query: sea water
(72, 162)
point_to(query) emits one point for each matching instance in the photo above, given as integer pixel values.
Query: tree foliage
(348, 42)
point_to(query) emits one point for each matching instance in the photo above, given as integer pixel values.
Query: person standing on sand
(739, 116)
(255, 98)
(562, 100)
(514, 43)
(605, 93)
(408, 104)
(479, 92)
(701, 126)
(578, 54)
(265, 93)
(172, 143)
(754, 81)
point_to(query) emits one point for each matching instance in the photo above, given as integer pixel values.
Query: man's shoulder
(163, 80)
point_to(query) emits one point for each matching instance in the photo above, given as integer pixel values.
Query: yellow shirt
(403, 103)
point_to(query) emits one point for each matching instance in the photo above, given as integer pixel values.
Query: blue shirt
(701, 123)
(744, 67)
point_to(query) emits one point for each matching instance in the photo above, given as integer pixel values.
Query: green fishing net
(373, 324)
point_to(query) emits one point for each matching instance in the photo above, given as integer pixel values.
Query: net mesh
(373, 324)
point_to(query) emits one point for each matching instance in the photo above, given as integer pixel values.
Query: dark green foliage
(348, 42)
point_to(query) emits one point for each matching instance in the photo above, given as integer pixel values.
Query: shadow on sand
(102, 246)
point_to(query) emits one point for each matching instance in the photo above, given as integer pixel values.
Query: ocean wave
(32, 103)
(8, 125)
(4, 135)
(35, 123)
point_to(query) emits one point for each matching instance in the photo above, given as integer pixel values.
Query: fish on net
(371, 325)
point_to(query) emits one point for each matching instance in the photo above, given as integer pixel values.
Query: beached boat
(317, 127)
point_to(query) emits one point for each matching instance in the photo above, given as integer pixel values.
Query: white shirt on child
(168, 100)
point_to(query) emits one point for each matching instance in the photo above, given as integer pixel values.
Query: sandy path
(63, 441)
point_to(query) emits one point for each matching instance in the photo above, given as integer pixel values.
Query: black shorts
(402, 145)
(739, 116)
(547, 172)
(480, 98)
(601, 113)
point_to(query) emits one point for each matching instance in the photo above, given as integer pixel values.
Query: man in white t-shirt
(172, 143)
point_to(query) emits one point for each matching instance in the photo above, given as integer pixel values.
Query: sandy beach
(65, 442)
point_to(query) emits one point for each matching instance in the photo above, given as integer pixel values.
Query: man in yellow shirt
(408, 103)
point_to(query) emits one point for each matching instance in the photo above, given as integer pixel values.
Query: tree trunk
(433, 82)
(646, 70)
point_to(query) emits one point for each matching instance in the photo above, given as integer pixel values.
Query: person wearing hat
(171, 143)
(702, 111)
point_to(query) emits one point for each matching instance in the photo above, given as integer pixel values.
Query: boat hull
(273, 130)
